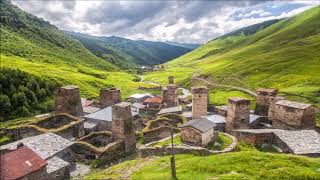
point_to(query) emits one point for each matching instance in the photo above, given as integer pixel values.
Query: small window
(199, 95)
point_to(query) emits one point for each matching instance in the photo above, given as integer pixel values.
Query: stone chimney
(68, 100)
(109, 97)
(264, 99)
(122, 125)
(238, 116)
(199, 101)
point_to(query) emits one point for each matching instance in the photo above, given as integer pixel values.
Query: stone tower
(67, 100)
(171, 80)
(199, 102)
(122, 125)
(238, 116)
(109, 97)
(170, 95)
(264, 99)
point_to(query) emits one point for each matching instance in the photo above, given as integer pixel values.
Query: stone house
(170, 95)
(153, 102)
(292, 115)
(199, 132)
(22, 163)
(54, 149)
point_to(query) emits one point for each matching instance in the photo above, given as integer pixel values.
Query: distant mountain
(186, 45)
(126, 52)
(105, 51)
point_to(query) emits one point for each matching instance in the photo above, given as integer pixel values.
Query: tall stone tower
(171, 79)
(122, 125)
(199, 101)
(68, 100)
(109, 97)
(172, 95)
(238, 116)
(264, 99)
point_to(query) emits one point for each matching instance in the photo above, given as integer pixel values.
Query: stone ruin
(122, 125)
(99, 145)
(264, 99)
(64, 125)
(67, 100)
(238, 116)
(199, 102)
(109, 97)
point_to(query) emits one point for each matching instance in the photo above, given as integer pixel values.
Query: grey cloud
(130, 18)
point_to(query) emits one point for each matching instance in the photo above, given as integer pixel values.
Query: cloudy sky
(180, 21)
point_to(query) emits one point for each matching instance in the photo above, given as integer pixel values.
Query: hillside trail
(195, 76)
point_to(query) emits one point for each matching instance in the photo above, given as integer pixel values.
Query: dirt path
(126, 172)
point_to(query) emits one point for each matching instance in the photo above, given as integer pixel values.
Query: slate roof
(176, 109)
(293, 104)
(202, 125)
(104, 114)
(45, 145)
(20, 162)
(137, 105)
(90, 109)
(215, 118)
(55, 163)
(254, 117)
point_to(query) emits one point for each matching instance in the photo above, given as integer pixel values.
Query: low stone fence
(156, 88)
(112, 151)
(146, 150)
(157, 133)
(70, 131)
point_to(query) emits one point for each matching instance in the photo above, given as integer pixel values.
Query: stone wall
(112, 151)
(122, 125)
(109, 97)
(73, 130)
(171, 79)
(67, 100)
(146, 151)
(238, 115)
(157, 133)
(256, 138)
(264, 99)
(199, 102)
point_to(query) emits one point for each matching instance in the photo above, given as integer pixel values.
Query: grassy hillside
(146, 52)
(186, 45)
(246, 164)
(105, 51)
(285, 55)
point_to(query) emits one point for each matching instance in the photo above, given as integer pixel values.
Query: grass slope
(250, 164)
(285, 55)
(37, 47)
